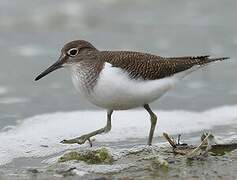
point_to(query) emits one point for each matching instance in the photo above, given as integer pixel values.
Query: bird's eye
(72, 52)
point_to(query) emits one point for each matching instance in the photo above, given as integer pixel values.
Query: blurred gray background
(33, 32)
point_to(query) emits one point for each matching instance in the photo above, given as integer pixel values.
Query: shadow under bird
(121, 80)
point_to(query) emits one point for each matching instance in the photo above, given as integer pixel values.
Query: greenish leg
(86, 137)
(153, 123)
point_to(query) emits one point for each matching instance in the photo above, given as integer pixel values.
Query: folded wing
(151, 67)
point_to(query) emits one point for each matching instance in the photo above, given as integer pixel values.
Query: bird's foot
(79, 140)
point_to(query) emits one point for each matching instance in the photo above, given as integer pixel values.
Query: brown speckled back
(151, 67)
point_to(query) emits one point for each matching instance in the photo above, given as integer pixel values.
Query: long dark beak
(52, 68)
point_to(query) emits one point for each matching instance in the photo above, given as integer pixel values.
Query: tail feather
(189, 64)
(200, 58)
(179, 64)
(218, 59)
(196, 60)
(205, 60)
(189, 57)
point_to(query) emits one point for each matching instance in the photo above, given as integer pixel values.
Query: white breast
(115, 90)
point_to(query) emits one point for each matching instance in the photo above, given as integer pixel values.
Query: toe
(70, 141)
(80, 140)
(64, 141)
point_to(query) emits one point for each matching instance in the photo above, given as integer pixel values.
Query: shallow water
(30, 137)
(43, 113)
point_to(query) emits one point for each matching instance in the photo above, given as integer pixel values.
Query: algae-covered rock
(97, 156)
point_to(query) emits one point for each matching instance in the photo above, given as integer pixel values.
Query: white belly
(117, 91)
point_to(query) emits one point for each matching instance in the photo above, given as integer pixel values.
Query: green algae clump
(98, 156)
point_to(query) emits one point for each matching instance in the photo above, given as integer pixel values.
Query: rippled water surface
(33, 32)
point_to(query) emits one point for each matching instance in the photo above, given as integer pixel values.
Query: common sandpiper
(121, 80)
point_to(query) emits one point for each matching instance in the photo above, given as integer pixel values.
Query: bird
(122, 80)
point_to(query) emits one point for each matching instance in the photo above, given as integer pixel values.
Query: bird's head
(71, 53)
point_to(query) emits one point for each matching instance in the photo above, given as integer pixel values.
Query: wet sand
(132, 160)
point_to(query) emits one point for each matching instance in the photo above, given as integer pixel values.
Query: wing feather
(151, 67)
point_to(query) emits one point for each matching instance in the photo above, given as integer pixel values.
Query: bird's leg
(153, 123)
(82, 139)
